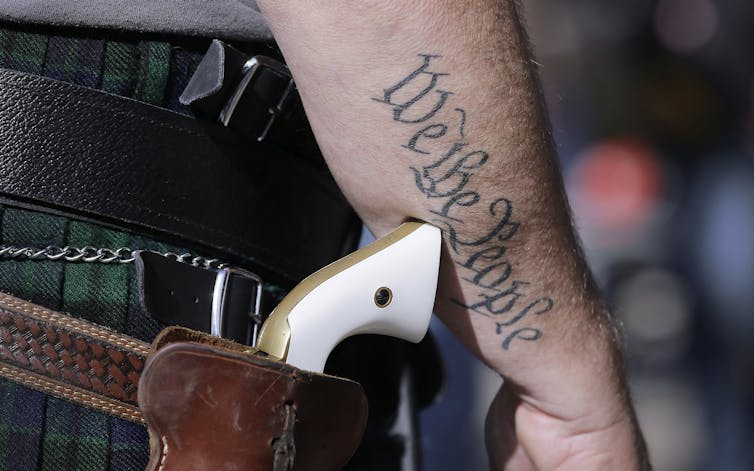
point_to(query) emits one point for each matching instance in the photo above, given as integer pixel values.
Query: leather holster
(213, 404)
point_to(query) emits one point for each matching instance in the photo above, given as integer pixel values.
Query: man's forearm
(431, 110)
(436, 115)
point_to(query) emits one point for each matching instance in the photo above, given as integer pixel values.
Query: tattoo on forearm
(421, 105)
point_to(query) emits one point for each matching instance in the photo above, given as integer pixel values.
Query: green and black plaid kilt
(38, 431)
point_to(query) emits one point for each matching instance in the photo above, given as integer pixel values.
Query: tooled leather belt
(70, 358)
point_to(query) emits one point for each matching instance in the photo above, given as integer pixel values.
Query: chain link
(90, 254)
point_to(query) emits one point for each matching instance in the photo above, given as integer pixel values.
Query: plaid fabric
(148, 71)
(42, 432)
(39, 431)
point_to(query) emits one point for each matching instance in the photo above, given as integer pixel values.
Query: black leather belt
(123, 163)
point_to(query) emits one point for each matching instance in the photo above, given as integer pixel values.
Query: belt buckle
(254, 70)
(219, 321)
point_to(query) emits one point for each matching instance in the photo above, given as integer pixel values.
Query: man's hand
(431, 110)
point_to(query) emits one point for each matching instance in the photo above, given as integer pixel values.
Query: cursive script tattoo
(419, 103)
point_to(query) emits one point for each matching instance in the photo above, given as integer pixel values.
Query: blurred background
(652, 108)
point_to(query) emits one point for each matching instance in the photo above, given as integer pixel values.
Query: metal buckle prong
(219, 299)
(275, 112)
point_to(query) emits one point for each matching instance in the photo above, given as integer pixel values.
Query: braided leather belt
(70, 358)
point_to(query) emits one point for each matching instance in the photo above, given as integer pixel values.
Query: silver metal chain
(90, 254)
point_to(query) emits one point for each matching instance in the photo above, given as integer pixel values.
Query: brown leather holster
(213, 404)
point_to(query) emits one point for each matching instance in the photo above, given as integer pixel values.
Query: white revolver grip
(391, 292)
